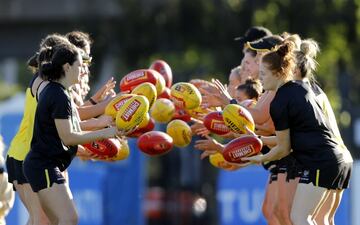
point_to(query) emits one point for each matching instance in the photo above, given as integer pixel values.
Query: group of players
(308, 163)
(56, 121)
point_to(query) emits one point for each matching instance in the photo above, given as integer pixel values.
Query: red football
(104, 148)
(131, 80)
(138, 132)
(165, 94)
(155, 143)
(181, 114)
(164, 69)
(214, 122)
(242, 147)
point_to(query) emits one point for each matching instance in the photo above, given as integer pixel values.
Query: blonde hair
(294, 38)
(305, 58)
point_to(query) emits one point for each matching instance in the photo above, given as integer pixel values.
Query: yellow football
(185, 95)
(132, 112)
(237, 118)
(124, 151)
(218, 161)
(114, 105)
(148, 90)
(145, 121)
(163, 110)
(180, 132)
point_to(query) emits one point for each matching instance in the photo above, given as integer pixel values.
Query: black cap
(253, 34)
(268, 43)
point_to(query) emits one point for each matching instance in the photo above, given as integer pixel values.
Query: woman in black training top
(301, 125)
(57, 133)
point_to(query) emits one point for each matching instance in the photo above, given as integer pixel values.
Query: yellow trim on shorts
(317, 177)
(47, 178)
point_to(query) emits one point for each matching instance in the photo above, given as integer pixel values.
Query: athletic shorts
(335, 177)
(290, 166)
(273, 173)
(40, 178)
(15, 171)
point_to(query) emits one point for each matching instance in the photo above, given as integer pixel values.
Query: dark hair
(56, 57)
(251, 87)
(305, 58)
(49, 41)
(281, 61)
(79, 39)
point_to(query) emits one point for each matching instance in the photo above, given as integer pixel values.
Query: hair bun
(47, 67)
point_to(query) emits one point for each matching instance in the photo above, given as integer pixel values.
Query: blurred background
(196, 38)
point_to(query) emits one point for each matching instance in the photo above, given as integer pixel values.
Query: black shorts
(15, 171)
(335, 177)
(273, 173)
(42, 178)
(290, 166)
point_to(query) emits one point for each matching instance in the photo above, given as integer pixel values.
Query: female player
(57, 133)
(302, 126)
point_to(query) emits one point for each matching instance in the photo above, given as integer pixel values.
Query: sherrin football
(185, 95)
(148, 90)
(165, 93)
(237, 118)
(242, 147)
(163, 110)
(164, 69)
(150, 125)
(133, 79)
(180, 132)
(214, 122)
(123, 152)
(218, 161)
(181, 114)
(132, 112)
(114, 105)
(155, 143)
(105, 148)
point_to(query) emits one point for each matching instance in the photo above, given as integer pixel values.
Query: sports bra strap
(37, 90)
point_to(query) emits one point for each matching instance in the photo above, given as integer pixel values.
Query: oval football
(155, 143)
(185, 95)
(237, 118)
(114, 105)
(164, 69)
(214, 122)
(103, 148)
(134, 78)
(132, 112)
(180, 131)
(141, 130)
(241, 147)
(181, 114)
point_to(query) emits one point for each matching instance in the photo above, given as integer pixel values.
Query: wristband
(233, 101)
(92, 101)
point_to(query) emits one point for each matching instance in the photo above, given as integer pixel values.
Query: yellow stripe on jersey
(317, 177)
(20, 145)
(47, 178)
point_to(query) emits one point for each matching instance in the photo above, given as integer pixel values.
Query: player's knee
(266, 211)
